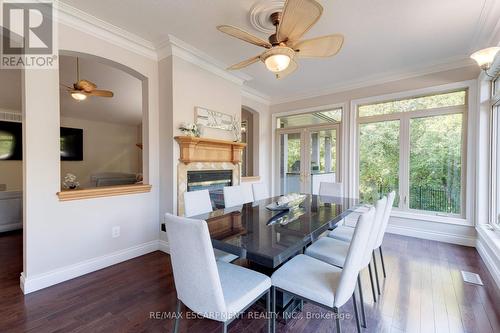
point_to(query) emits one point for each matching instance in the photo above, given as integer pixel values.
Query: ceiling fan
(83, 88)
(285, 46)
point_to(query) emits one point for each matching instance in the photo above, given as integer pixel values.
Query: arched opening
(250, 135)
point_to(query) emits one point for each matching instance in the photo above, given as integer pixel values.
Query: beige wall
(107, 147)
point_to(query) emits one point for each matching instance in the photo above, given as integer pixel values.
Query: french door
(306, 157)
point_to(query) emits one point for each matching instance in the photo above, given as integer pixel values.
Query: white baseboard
(436, 236)
(33, 283)
(489, 257)
(164, 247)
(10, 227)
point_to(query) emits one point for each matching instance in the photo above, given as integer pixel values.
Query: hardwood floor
(423, 292)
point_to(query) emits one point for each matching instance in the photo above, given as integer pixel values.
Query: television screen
(71, 144)
(11, 141)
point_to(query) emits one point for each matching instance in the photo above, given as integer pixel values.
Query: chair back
(376, 225)
(260, 191)
(193, 261)
(330, 189)
(237, 195)
(355, 258)
(196, 203)
(385, 219)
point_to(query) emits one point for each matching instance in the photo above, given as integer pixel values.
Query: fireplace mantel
(193, 149)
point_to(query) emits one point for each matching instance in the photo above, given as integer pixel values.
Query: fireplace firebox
(212, 180)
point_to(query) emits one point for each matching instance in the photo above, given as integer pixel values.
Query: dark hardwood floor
(423, 292)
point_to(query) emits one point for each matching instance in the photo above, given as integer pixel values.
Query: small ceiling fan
(83, 88)
(285, 46)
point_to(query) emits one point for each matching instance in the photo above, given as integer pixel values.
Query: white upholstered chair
(330, 189)
(334, 252)
(197, 203)
(260, 191)
(345, 234)
(237, 195)
(323, 284)
(210, 288)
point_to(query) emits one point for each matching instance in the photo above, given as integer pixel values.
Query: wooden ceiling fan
(285, 46)
(83, 88)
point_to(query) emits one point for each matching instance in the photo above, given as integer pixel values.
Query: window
(415, 147)
(495, 156)
(309, 119)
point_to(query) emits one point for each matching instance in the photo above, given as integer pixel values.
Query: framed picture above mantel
(213, 119)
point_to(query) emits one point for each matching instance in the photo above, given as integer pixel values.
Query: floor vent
(473, 278)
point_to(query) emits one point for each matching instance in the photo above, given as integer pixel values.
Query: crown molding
(96, 27)
(173, 46)
(255, 95)
(449, 64)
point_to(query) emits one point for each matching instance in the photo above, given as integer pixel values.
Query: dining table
(269, 238)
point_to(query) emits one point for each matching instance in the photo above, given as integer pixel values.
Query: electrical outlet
(115, 232)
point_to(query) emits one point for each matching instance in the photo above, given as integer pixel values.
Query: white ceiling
(124, 108)
(382, 38)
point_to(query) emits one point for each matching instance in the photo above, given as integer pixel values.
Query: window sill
(431, 218)
(100, 192)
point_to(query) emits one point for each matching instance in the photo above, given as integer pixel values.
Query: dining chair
(197, 203)
(330, 189)
(334, 252)
(323, 284)
(213, 289)
(260, 191)
(237, 195)
(345, 234)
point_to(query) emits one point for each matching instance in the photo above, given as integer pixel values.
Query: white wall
(63, 240)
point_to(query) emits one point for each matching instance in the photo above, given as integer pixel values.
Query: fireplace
(211, 180)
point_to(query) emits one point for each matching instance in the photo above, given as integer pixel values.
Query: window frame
(494, 216)
(465, 218)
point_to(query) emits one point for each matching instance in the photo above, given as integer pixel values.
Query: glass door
(291, 162)
(307, 156)
(323, 157)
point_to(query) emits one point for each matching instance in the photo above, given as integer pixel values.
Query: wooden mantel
(193, 149)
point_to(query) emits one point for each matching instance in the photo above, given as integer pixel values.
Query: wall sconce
(485, 58)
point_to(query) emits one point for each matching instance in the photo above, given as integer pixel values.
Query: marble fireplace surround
(182, 179)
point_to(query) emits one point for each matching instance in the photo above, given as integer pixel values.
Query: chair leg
(362, 301)
(356, 314)
(371, 281)
(177, 316)
(382, 260)
(376, 271)
(273, 313)
(224, 327)
(337, 319)
(268, 309)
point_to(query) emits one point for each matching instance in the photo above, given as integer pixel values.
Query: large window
(416, 147)
(495, 156)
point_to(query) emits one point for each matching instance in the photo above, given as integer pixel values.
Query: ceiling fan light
(485, 57)
(79, 96)
(277, 63)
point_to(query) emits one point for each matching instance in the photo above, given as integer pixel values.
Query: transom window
(415, 146)
(309, 119)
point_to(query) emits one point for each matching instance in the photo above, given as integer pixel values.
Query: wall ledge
(100, 192)
(488, 247)
(250, 179)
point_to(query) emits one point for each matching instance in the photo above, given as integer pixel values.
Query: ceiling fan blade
(85, 85)
(289, 70)
(319, 47)
(243, 35)
(297, 18)
(101, 93)
(244, 63)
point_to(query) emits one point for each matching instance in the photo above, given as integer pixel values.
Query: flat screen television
(71, 144)
(11, 141)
